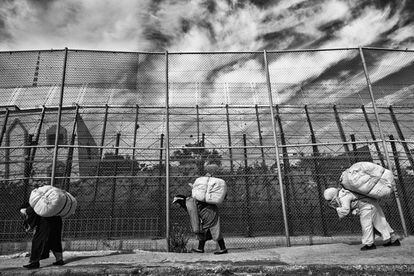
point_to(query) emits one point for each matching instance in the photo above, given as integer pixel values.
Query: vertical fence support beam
(69, 159)
(160, 187)
(98, 167)
(401, 136)
(247, 188)
(4, 127)
(59, 119)
(114, 181)
(202, 160)
(27, 167)
(380, 155)
(198, 124)
(200, 144)
(105, 123)
(32, 151)
(134, 143)
(387, 156)
(37, 137)
(279, 170)
(286, 166)
(167, 155)
(318, 168)
(354, 149)
(401, 181)
(229, 138)
(260, 136)
(341, 131)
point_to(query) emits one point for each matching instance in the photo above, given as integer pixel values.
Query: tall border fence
(126, 131)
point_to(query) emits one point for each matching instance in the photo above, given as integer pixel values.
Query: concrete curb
(214, 269)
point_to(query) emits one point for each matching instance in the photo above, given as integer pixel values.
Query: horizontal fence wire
(125, 116)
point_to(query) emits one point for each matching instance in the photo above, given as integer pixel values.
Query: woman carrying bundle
(47, 236)
(204, 216)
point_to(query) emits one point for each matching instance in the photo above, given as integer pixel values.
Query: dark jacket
(208, 214)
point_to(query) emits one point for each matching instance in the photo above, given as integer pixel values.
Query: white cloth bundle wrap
(209, 189)
(368, 179)
(49, 201)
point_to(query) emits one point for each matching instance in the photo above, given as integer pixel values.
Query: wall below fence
(233, 243)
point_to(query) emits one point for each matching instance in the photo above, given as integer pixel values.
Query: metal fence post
(37, 137)
(247, 212)
(341, 132)
(384, 145)
(198, 123)
(286, 169)
(229, 138)
(279, 171)
(401, 136)
(59, 119)
(160, 188)
(259, 131)
(167, 156)
(114, 184)
(134, 143)
(371, 131)
(69, 159)
(316, 172)
(98, 166)
(401, 182)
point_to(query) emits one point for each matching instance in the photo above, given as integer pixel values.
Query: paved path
(323, 259)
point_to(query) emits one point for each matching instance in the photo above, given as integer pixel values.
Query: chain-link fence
(124, 132)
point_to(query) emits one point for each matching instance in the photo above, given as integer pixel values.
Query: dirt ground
(320, 259)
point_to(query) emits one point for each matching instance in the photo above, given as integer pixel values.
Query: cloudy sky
(205, 25)
(222, 25)
(214, 25)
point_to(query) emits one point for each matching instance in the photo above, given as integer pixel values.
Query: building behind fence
(124, 132)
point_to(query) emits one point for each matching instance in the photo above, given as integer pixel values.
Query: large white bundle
(49, 201)
(209, 189)
(368, 179)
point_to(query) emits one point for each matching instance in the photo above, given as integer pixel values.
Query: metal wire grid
(312, 110)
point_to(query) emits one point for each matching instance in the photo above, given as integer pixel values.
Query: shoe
(32, 265)
(223, 251)
(196, 250)
(60, 262)
(390, 243)
(368, 247)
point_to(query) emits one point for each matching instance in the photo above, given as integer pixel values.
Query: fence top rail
(388, 49)
(211, 52)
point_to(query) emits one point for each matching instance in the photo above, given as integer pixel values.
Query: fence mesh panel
(119, 108)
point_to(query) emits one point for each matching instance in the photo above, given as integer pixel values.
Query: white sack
(49, 201)
(209, 189)
(368, 179)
